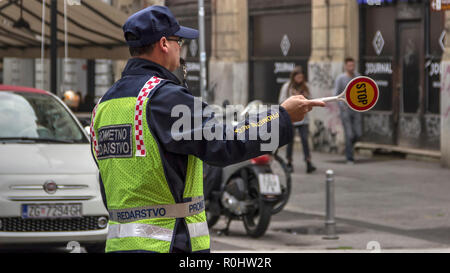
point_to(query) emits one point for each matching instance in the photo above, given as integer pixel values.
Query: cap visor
(187, 33)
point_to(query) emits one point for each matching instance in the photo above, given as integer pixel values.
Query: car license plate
(269, 184)
(51, 210)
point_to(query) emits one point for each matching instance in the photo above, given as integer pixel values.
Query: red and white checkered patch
(93, 138)
(138, 127)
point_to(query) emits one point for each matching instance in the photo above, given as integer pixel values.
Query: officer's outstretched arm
(184, 125)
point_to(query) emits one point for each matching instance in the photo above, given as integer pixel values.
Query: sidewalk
(404, 203)
(383, 204)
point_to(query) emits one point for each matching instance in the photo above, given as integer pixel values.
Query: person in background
(297, 86)
(351, 120)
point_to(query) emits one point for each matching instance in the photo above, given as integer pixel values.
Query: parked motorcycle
(251, 191)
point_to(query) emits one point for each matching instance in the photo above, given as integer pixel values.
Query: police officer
(151, 178)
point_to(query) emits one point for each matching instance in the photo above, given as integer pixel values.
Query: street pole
(330, 224)
(54, 47)
(201, 26)
(91, 83)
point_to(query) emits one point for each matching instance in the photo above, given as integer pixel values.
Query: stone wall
(228, 65)
(334, 37)
(445, 97)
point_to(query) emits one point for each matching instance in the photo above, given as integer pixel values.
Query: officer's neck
(158, 59)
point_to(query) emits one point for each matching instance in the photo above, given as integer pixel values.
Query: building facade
(253, 45)
(400, 44)
(401, 48)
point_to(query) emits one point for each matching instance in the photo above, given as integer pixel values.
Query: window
(37, 117)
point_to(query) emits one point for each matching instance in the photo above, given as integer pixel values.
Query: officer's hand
(298, 106)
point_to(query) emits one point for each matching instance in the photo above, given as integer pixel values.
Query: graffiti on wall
(445, 91)
(326, 131)
(377, 124)
(321, 75)
(324, 139)
(327, 121)
(433, 124)
(446, 113)
(333, 117)
(410, 126)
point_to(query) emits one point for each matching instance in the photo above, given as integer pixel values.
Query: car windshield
(33, 117)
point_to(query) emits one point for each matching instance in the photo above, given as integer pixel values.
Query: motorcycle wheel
(257, 220)
(256, 224)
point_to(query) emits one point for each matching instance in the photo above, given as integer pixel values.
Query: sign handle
(331, 99)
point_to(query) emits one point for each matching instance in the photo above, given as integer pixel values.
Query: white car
(49, 187)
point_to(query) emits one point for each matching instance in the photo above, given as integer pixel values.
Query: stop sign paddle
(361, 94)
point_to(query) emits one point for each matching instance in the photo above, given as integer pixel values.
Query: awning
(94, 30)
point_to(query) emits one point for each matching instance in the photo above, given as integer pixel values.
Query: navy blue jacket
(175, 153)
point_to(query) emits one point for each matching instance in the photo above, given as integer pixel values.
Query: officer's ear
(164, 44)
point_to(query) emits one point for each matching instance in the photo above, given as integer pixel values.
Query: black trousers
(304, 133)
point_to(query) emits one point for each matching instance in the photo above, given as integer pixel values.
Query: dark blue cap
(151, 24)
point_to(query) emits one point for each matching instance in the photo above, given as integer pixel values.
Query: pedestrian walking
(151, 177)
(351, 120)
(297, 86)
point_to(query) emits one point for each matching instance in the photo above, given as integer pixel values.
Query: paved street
(383, 202)
(386, 201)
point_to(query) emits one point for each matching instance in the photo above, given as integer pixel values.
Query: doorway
(410, 91)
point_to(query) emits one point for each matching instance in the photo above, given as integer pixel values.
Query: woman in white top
(297, 86)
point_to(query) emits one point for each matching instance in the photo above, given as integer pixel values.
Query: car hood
(46, 158)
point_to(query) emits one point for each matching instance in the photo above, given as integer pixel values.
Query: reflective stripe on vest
(153, 232)
(198, 229)
(180, 210)
(139, 230)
